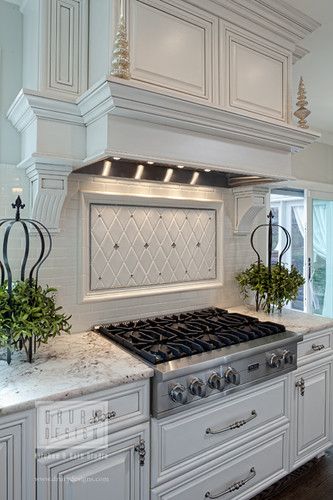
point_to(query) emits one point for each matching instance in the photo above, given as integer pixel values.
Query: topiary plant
(273, 288)
(30, 312)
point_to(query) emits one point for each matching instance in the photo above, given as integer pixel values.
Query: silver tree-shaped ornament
(120, 65)
(302, 111)
(6, 272)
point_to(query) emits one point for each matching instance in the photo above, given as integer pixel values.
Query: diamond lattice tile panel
(134, 246)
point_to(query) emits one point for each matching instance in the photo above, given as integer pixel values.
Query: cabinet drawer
(186, 439)
(80, 420)
(315, 345)
(257, 467)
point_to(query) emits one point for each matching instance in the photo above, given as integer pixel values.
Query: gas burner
(205, 354)
(179, 335)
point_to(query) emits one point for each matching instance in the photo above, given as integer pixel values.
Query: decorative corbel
(248, 201)
(48, 190)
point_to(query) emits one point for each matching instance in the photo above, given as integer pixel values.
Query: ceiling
(317, 67)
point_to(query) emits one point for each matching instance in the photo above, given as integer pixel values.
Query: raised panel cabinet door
(312, 413)
(172, 48)
(67, 49)
(114, 471)
(10, 463)
(257, 77)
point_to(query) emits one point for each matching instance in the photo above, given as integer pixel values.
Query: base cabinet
(16, 458)
(116, 469)
(239, 475)
(312, 411)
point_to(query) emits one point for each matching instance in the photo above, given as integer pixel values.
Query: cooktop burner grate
(172, 337)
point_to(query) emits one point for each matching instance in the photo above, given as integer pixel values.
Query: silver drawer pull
(318, 347)
(233, 487)
(235, 425)
(99, 416)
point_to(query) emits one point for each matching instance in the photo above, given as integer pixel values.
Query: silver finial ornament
(120, 65)
(302, 112)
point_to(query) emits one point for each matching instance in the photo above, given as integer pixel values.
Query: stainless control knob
(288, 357)
(232, 376)
(197, 387)
(274, 361)
(178, 393)
(217, 382)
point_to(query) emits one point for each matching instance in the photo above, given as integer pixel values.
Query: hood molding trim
(60, 136)
(117, 97)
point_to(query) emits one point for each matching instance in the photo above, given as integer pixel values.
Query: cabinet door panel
(111, 471)
(10, 463)
(262, 464)
(17, 455)
(171, 48)
(257, 77)
(312, 412)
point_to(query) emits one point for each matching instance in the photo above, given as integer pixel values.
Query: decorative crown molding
(123, 98)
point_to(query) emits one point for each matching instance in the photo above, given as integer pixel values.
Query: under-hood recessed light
(207, 170)
(150, 162)
(139, 172)
(116, 158)
(168, 175)
(194, 179)
(106, 168)
(180, 166)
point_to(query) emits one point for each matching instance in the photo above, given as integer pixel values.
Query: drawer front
(253, 470)
(314, 346)
(189, 437)
(81, 420)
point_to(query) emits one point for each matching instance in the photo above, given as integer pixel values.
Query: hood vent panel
(173, 174)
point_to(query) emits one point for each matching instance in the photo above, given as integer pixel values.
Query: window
(289, 211)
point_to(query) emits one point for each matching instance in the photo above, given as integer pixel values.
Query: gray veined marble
(68, 366)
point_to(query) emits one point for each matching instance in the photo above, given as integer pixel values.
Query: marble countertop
(68, 366)
(294, 321)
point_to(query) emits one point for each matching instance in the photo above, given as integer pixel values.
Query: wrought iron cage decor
(32, 274)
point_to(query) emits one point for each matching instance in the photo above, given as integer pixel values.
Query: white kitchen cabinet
(173, 45)
(17, 456)
(119, 469)
(312, 411)
(241, 474)
(183, 438)
(256, 75)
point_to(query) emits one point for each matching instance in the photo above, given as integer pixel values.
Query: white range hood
(64, 127)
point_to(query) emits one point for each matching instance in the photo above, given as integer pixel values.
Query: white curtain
(323, 247)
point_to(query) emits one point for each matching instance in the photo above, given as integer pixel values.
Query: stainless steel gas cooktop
(202, 354)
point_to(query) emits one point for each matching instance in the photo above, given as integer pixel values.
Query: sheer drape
(323, 247)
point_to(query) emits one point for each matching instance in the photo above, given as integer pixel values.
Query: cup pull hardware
(319, 347)
(235, 425)
(233, 487)
(301, 384)
(100, 416)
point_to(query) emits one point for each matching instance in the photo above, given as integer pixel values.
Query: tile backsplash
(134, 246)
(62, 271)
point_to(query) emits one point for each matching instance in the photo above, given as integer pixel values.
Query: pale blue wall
(10, 77)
